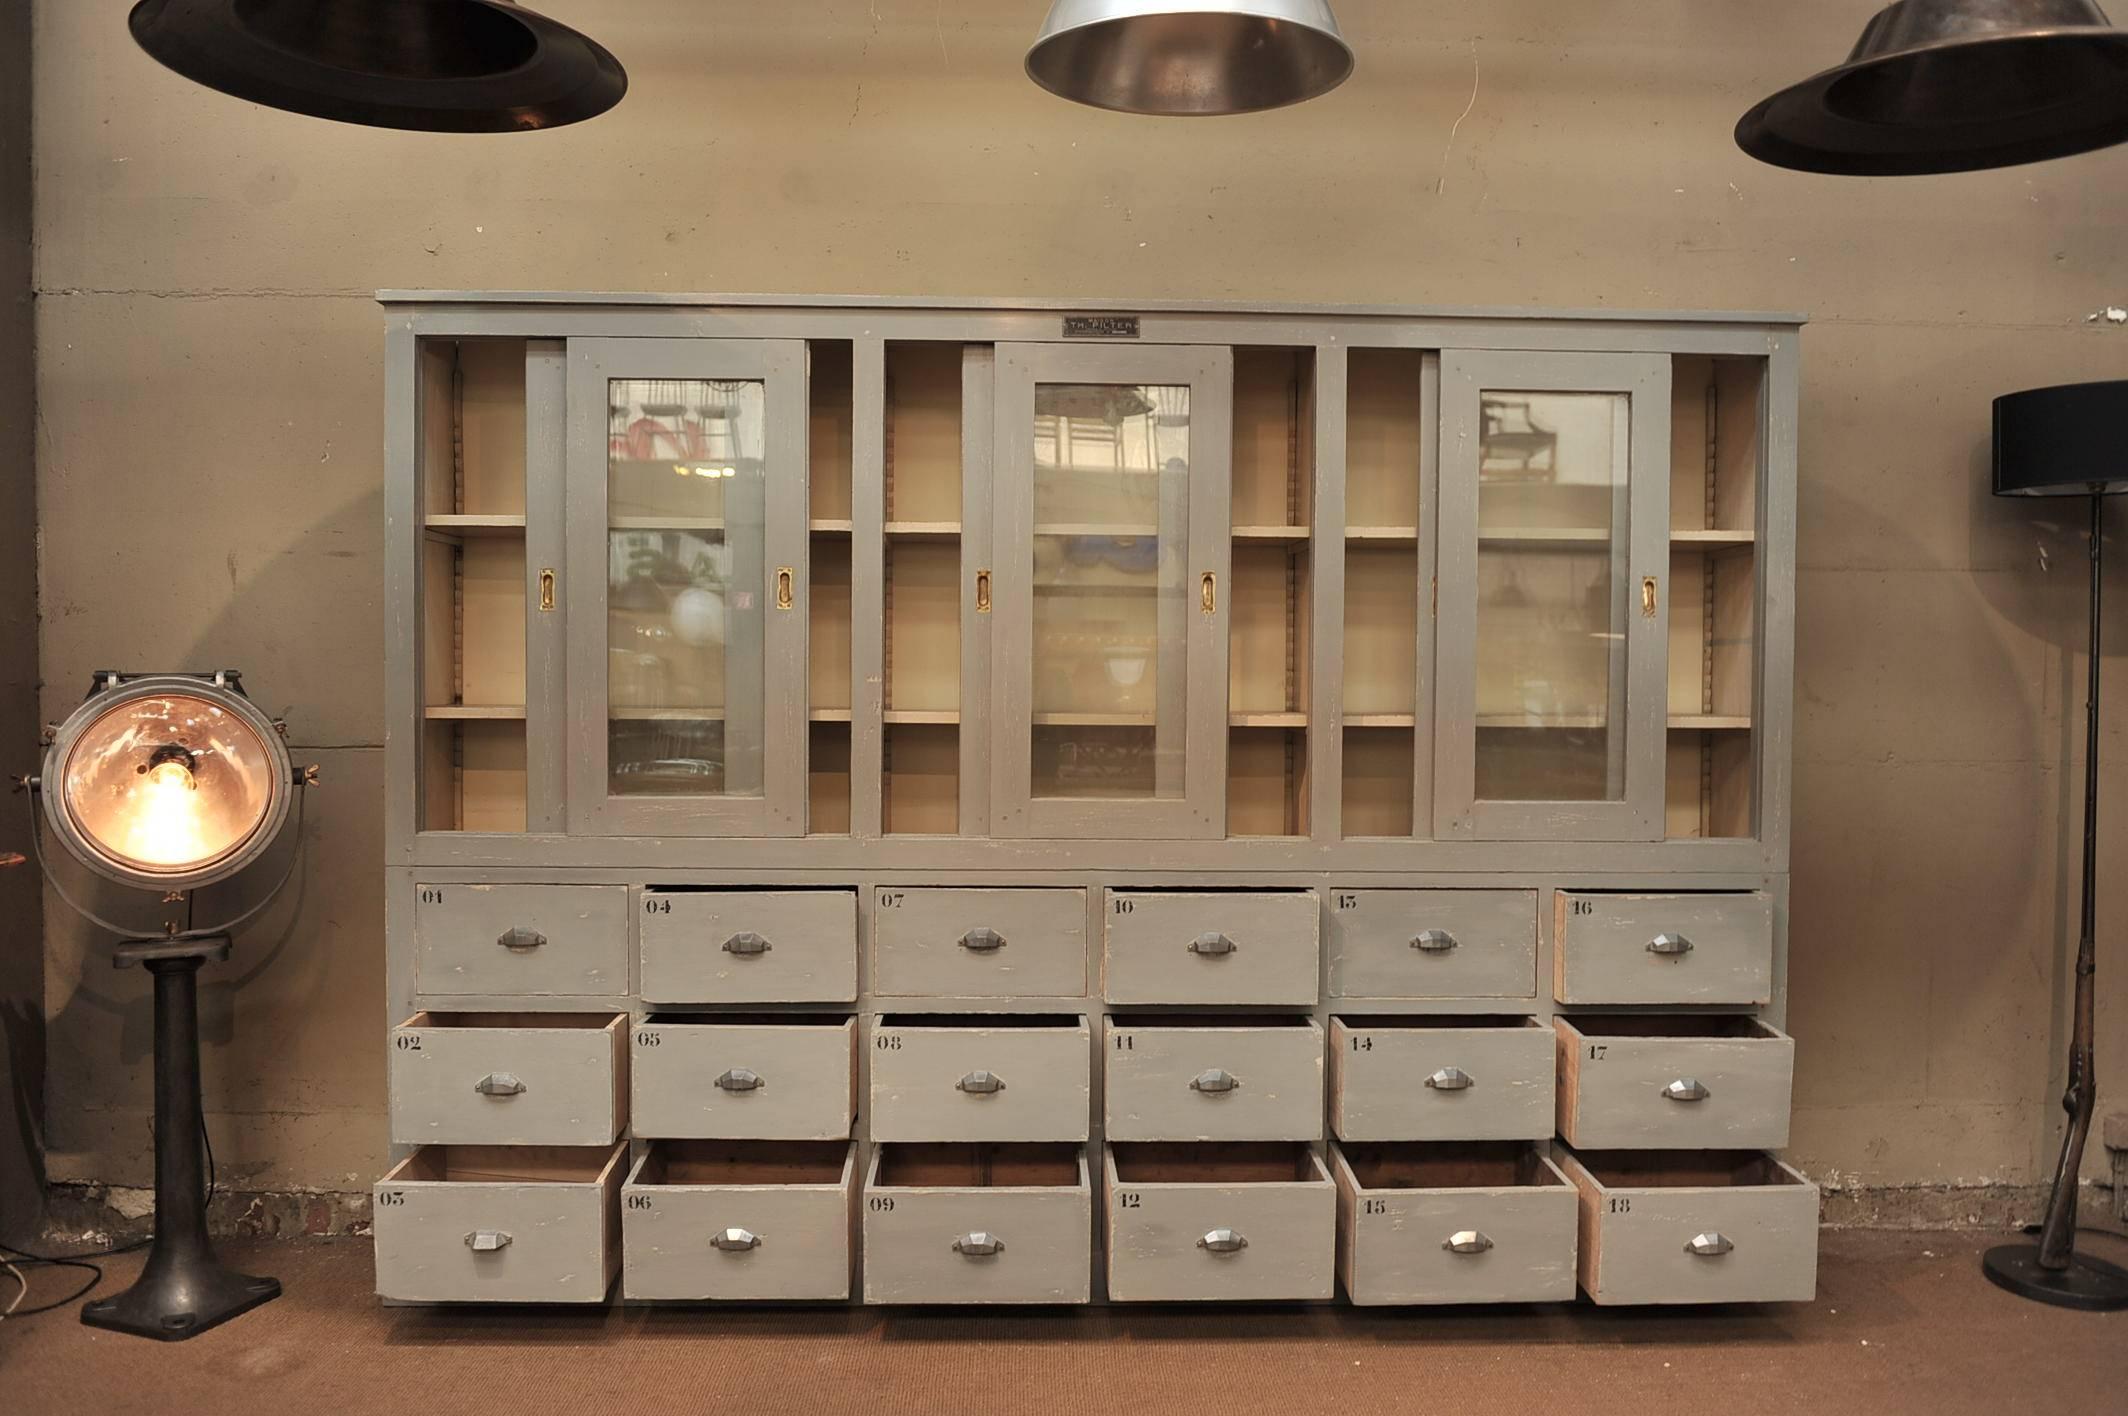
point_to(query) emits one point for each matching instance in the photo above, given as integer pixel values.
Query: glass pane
(1111, 605)
(1552, 573)
(686, 586)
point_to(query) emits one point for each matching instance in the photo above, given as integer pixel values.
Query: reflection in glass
(686, 586)
(1111, 483)
(1551, 594)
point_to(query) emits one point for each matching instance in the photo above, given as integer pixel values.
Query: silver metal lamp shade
(1953, 86)
(1189, 58)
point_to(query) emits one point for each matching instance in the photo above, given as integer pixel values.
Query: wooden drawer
(978, 1224)
(1432, 943)
(1684, 1082)
(531, 941)
(1241, 1222)
(509, 1079)
(940, 943)
(739, 1220)
(1220, 947)
(957, 1077)
(1188, 1078)
(743, 1076)
(1440, 1079)
(1483, 1222)
(1704, 948)
(1694, 1227)
(748, 946)
(500, 1224)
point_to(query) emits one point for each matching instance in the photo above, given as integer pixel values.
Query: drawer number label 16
(1584, 907)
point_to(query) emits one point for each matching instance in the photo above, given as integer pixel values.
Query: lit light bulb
(166, 826)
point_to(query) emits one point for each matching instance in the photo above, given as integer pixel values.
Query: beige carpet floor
(1903, 1323)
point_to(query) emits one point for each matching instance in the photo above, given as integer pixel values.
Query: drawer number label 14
(1363, 1044)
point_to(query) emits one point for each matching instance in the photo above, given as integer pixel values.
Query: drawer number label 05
(646, 1038)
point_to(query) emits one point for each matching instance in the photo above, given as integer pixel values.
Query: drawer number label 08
(887, 1042)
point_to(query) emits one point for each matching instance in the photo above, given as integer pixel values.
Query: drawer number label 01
(431, 895)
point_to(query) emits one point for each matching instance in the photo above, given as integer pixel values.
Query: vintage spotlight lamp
(168, 782)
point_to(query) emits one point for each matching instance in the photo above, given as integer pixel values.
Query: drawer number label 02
(407, 1042)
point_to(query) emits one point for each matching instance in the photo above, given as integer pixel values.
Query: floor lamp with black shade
(2065, 442)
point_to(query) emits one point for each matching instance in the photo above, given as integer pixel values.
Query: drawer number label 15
(1375, 1207)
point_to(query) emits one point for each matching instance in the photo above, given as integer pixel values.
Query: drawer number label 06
(639, 1202)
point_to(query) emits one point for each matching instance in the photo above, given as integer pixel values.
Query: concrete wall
(211, 392)
(21, 925)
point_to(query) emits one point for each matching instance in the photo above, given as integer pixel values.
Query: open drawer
(1453, 1222)
(500, 1224)
(970, 1223)
(1698, 1081)
(1219, 1221)
(971, 1077)
(1441, 1078)
(509, 1079)
(1181, 1077)
(739, 1220)
(753, 1076)
(1694, 1227)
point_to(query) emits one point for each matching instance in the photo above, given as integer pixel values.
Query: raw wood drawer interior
(701, 1162)
(1213, 1162)
(966, 1165)
(507, 1165)
(1446, 1165)
(1682, 1170)
(1672, 1025)
(589, 1022)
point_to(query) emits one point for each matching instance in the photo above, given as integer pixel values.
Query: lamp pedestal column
(184, 1290)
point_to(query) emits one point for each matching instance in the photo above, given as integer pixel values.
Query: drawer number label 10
(1125, 906)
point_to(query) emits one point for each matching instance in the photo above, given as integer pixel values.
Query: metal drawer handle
(1685, 1089)
(1467, 1241)
(1670, 944)
(980, 1083)
(499, 1084)
(979, 1245)
(739, 1079)
(746, 944)
(487, 1241)
(1211, 945)
(1434, 941)
(1450, 1079)
(1212, 1083)
(1223, 1241)
(519, 937)
(982, 941)
(735, 1241)
(1711, 1245)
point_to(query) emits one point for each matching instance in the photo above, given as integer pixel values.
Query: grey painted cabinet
(1011, 802)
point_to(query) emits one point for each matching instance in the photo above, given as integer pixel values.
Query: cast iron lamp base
(2087, 1283)
(183, 1291)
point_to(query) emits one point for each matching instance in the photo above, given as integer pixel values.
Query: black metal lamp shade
(1953, 86)
(443, 66)
(2070, 440)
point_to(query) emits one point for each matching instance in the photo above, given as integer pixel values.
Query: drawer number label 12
(1127, 1199)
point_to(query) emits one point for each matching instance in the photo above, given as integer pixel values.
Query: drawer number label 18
(880, 1204)
(1621, 1204)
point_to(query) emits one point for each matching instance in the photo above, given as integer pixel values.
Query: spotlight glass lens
(169, 784)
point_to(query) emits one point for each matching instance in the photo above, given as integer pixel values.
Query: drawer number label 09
(880, 1204)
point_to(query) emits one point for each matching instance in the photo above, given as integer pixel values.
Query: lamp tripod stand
(2051, 1271)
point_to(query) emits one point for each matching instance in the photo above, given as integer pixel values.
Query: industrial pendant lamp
(440, 66)
(1953, 86)
(1189, 58)
(168, 782)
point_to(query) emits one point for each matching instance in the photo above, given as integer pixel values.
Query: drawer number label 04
(651, 907)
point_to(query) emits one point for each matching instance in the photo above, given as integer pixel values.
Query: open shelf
(1272, 535)
(475, 712)
(1386, 426)
(920, 752)
(449, 524)
(1378, 776)
(923, 530)
(827, 526)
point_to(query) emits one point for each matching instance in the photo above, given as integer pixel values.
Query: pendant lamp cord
(295, 858)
